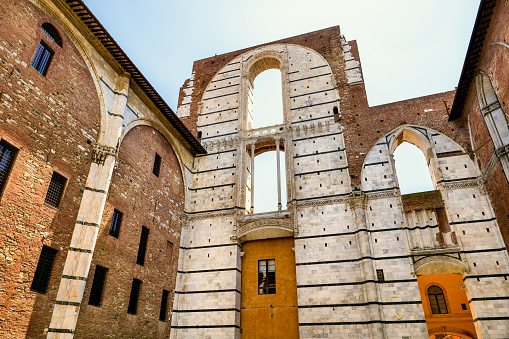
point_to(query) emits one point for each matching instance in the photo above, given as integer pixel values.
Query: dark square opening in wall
(133, 298)
(142, 249)
(380, 275)
(55, 190)
(157, 165)
(43, 271)
(163, 313)
(96, 293)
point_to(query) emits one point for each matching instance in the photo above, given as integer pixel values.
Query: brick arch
(78, 42)
(414, 135)
(263, 65)
(164, 132)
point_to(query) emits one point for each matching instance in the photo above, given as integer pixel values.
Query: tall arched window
(412, 169)
(266, 186)
(494, 117)
(267, 99)
(437, 300)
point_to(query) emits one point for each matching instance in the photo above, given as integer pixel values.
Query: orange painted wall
(271, 315)
(454, 297)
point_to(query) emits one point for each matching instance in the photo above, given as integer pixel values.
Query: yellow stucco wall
(457, 319)
(271, 315)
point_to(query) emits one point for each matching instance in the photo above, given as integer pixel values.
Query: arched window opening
(494, 117)
(412, 169)
(267, 99)
(437, 300)
(266, 182)
(52, 33)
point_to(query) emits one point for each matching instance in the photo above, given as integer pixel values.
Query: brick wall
(494, 61)
(145, 200)
(52, 120)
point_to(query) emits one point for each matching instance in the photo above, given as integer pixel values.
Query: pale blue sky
(407, 48)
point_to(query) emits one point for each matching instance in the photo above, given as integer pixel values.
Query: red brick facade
(145, 200)
(494, 61)
(52, 120)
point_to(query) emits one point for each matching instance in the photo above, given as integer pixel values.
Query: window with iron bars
(55, 190)
(43, 271)
(7, 155)
(116, 220)
(42, 58)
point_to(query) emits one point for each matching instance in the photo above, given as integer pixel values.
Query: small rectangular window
(43, 270)
(157, 165)
(7, 154)
(380, 275)
(163, 314)
(140, 260)
(96, 293)
(267, 276)
(116, 219)
(55, 190)
(133, 299)
(42, 58)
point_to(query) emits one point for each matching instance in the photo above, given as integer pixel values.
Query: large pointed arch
(80, 43)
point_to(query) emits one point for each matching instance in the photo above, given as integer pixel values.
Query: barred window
(55, 190)
(43, 271)
(42, 58)
(133, 299)
(140, 260)
(7, 155)
(163, 313)
(116, 220)
(380, 275)
(157, 165)
(96, 293)
(267, 276)
(437, 300)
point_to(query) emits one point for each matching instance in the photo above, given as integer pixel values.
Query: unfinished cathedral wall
(358, 247)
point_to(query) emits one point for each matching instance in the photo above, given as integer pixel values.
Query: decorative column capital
(100, 152)
(358, 200)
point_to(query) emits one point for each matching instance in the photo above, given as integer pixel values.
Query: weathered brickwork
(145, 200)
(493, 61)
(52, 120)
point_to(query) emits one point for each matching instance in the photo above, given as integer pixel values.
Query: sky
(407, 48)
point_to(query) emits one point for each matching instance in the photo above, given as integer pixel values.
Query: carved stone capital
(100, 152)
(358, 200)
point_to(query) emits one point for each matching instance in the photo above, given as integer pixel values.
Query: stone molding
(206, 215)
